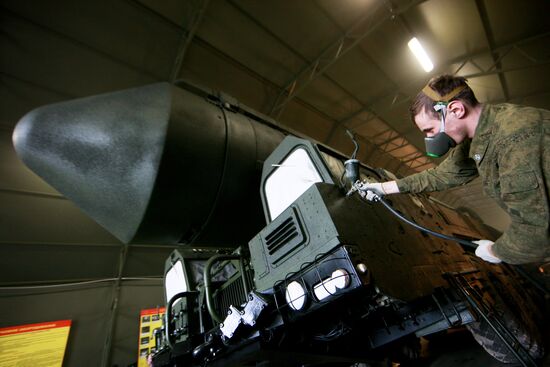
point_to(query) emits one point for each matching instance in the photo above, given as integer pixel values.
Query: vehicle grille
(232, 293)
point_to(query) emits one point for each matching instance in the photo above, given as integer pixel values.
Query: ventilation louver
(284, 238)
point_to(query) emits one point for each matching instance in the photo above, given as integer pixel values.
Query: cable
(466, 243)
(424, 229)
(74, 284)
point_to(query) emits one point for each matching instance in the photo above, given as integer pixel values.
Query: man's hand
(485, 252)
(372, 190)
(368, 191)
(375, 187)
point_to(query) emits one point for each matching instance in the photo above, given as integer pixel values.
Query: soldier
(507, 145)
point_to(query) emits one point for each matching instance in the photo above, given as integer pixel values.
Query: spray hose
(377, 198)
(370, 195)
(424, 229)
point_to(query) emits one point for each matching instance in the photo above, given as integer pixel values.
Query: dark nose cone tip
(101, 152)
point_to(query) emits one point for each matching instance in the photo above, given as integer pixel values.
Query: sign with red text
(37, 345)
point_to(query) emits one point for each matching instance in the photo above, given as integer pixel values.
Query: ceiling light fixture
(421, 55)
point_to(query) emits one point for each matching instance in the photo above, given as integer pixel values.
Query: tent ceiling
(317, 66)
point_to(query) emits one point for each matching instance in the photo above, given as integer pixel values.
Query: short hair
(443, 85)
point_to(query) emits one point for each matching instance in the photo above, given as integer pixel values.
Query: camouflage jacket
(510, 151)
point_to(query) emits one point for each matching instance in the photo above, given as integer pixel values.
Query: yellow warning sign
(37, 345)
(149, 320)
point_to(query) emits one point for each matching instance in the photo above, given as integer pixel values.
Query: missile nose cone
(160, 164)
(101, 152)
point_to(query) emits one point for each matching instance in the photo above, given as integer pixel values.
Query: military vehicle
(275, 264)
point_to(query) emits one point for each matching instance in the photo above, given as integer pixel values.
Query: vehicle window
(293, 176)
(176, 281)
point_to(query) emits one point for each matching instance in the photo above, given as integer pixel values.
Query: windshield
(293, 176)
(176, 281)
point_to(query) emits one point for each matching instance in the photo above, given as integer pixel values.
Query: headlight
(338, 280)
(295, 295)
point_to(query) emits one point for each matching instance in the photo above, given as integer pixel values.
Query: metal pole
(106, 356)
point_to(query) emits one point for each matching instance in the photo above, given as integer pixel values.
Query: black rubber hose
(466, 243)
(424, 229)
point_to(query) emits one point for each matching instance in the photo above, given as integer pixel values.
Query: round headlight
(340, 278)
(295, 295)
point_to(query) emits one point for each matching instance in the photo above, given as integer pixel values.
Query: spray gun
(352, 173)
(352, 164)
(360, 187)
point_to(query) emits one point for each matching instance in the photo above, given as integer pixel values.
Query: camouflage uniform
(511, 153)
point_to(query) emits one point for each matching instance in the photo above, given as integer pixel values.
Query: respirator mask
(440, 143)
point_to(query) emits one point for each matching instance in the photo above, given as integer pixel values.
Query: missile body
(155, 164)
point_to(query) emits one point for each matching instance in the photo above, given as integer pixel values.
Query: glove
(484, 251)
(368, 189)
